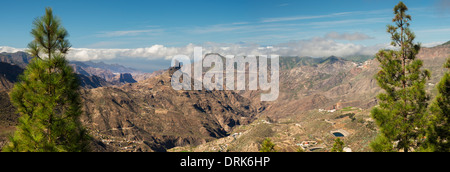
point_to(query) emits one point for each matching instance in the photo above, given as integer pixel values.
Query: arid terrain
(320, 99)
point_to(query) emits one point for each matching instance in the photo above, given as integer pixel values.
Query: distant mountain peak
(332, 59)
(126, 78)
(115, 68)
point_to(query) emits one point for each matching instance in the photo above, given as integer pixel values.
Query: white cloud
(314, 47)
(347, 36)
(432, 44)
(294, 18)
(153, 52)
(7, 49)
(443, 7)
(435, 31)
(128, 33)
(217, 28)
(321, 47)
(332, 15)
(348, 22)
(106, 44)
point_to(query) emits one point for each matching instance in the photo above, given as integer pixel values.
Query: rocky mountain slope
(113, 73)
(20, 59)
(13, 64)
(317, 96)
(8, 75)
(151, 116)
(335, 83)
(320, 99)
(91, 74)
(310, 131)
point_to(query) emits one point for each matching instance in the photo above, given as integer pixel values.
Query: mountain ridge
(150, 116)
(91, 74)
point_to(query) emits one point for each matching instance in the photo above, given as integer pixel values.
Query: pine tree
(402, 111)
(438, 138)
(267, 146)
(300, 149)
(47, 95)
(338, 146)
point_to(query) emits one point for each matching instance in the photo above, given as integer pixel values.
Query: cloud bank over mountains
(314, 47)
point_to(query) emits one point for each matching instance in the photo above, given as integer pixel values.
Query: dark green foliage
(267, 146)
(402, 111)
(338, 146)
(47, 95)
(350, 115)
(382, 144)
(359, 58)
(439, 131)
(292, 62)
(447, 43)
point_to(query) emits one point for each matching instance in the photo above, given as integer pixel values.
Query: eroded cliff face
(9, 75)
(126, 78)
(151, 116)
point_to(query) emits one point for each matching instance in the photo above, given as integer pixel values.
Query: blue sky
(162, 28)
